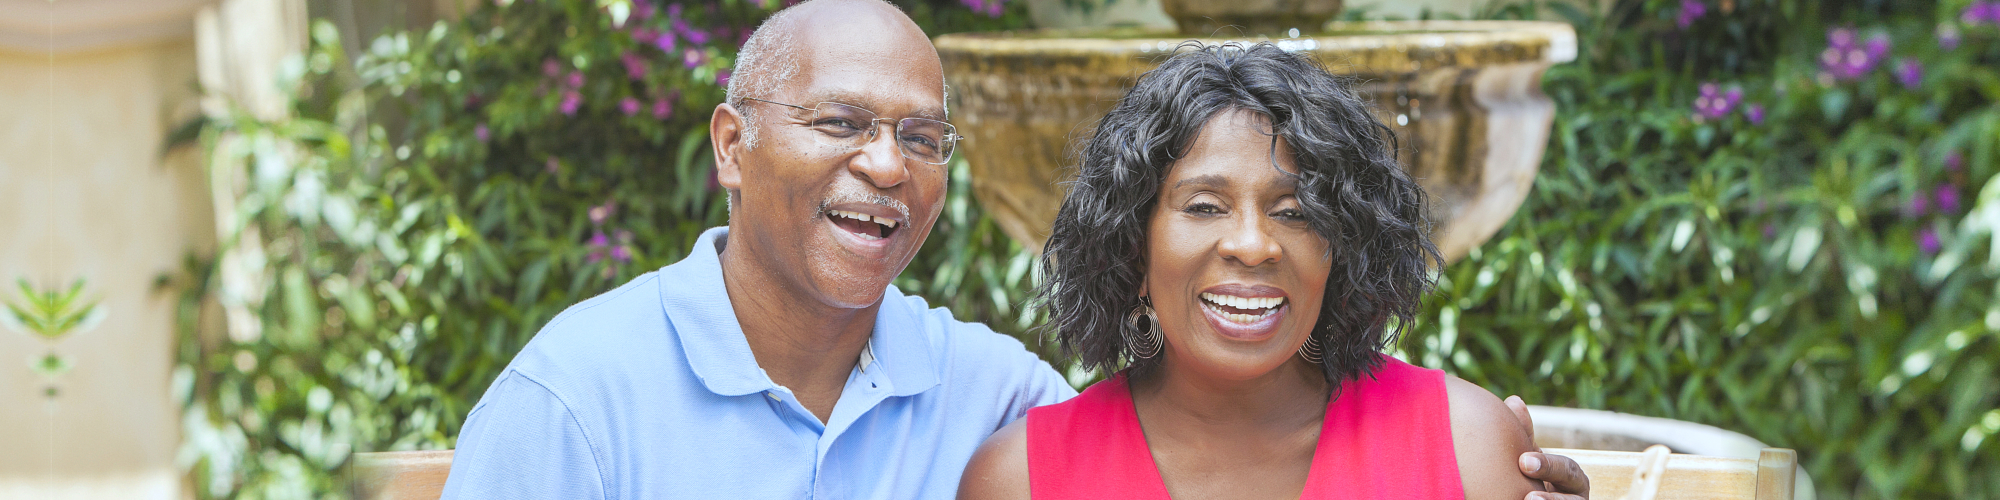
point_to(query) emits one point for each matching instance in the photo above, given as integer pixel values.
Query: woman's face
(1234, 273)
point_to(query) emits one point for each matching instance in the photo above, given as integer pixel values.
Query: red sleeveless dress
(1386, 436)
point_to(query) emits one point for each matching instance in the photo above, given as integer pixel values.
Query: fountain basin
(1464, 98)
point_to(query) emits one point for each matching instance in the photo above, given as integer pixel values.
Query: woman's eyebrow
(1211, 181)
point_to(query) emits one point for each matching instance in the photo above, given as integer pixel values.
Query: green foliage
(1805, 280)
(429, 206)
(53, 313)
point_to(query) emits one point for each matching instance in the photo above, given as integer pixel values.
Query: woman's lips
(1243, 318)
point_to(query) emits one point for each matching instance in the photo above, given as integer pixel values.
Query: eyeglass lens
(925, 140)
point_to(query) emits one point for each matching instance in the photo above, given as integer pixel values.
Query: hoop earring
(1144, 342)
(1312, 351)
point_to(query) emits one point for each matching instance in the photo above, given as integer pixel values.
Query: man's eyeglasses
(848, 127)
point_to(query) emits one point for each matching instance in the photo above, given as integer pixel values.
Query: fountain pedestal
(1464, 98)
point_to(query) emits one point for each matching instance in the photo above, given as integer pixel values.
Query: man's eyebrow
(851, 98)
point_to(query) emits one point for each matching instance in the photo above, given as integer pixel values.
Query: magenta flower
(1954, 161)
(635, 66)
(1690, 11)
(645, 36)
(1910, 73)
(662, 109)
(1715, 103)
(665, 42)
(1755, 112)
(1948, 36)
(570, 101)
(1919, 206)
(629, 105)
(575, 80)
(480, 132)
(692, 58)
(1947, 199)
(1927, 240)
(551, 68)
(722, 78)
(597, 244)
(644, 11)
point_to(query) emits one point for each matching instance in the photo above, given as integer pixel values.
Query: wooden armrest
(1691, 476)
(400, 475)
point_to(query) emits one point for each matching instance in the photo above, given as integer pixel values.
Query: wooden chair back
(1769, 477)
(399, 475)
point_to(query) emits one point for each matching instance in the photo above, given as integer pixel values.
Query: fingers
(1527, 422)
(1562, 474)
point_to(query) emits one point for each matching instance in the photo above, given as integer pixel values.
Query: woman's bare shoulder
(999, 470)
(1489, 442)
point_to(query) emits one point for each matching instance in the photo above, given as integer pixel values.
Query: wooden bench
(419, 475)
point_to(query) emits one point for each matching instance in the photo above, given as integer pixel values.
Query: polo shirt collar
(697, 303)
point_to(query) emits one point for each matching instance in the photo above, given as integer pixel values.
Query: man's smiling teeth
(1268, 306)
(888, 223)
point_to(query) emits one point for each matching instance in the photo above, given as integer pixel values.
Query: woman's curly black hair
(1353, 193)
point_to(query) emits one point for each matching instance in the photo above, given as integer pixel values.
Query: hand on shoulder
(999, 470)
(1489, 442)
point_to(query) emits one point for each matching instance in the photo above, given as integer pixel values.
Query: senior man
(776, 360)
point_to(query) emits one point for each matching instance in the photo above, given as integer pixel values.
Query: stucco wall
(85, 193)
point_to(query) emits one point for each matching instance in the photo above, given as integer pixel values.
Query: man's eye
(837, 126)
(920, 142)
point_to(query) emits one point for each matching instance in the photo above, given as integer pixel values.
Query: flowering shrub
(425, 216)
(1778, 217)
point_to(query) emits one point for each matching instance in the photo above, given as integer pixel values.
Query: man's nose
(1249, 240)
(880, 161)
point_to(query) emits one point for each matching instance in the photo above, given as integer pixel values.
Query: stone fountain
(1464, 98)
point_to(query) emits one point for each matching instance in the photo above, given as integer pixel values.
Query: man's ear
(725, 137)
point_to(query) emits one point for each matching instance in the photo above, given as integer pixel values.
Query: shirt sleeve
(522, 441)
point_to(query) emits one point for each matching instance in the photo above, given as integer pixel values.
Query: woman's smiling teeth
(871, 227)
(1241, 310)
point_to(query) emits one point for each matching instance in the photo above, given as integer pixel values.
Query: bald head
(819, 31)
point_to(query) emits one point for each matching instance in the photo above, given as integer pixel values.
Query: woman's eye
(1290, 214)
(1203, 209)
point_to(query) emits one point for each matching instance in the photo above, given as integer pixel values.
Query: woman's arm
(999, 470)
(1489, 442)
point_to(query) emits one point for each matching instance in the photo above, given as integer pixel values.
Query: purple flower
(551, 68)
(480, 132)
(601, 213)
(1947, 199)
(692, 57)
(552, 165)
(1980, 12)
(1927, 240)
(645, 11)
(570, 101)
(692, 35)
(635, 66)
(1947, 36)
(662, 109)
(1755, 112)
(665, 42)
(1715, 103)
(598, 242)
(722, 78)
(1919, 206)
(1910, 73)
(1690, 11)
(1843, 60)
(1954, 161)
(575, 80)
(645, 36)
(629, 105)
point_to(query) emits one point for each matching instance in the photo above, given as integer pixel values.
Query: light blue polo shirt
(650, 391)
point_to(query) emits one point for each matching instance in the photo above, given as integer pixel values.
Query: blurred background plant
(1772, 216)
(49, 315)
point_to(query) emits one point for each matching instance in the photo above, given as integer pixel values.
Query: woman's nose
(1249, 241)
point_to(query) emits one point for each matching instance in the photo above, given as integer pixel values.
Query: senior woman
(1242, 243)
